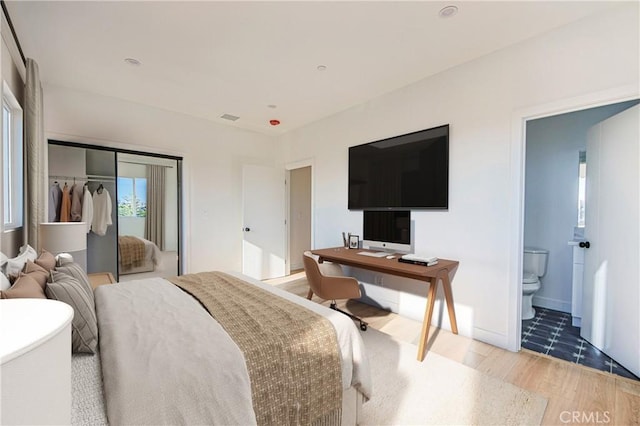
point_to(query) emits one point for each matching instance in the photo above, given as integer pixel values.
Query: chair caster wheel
(363, 326)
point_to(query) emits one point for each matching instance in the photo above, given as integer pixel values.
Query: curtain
(35, 182)
(154, 226)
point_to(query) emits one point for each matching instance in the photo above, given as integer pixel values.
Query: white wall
(11, 73)
(213, 158)
(67, 161)
(551, 194)
(479, 100)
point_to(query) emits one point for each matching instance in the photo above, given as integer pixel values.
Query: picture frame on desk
(354, 241)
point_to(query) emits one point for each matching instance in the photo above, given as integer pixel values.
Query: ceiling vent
(229, 117)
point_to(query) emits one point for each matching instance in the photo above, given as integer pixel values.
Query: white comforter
(160, 368)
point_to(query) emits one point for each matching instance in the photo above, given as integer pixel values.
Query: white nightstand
(35, 359)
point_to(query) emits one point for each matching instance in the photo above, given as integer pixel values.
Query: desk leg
(448, 295)
(426, 322)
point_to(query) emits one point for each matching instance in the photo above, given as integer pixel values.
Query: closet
(140, 237)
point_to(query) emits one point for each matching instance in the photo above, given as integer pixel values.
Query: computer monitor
(388, 230)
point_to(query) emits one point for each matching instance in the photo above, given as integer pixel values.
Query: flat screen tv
(404, 172)
(389, 230)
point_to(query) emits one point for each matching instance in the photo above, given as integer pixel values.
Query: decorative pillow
(3, 259)
(46, 260)
(24, 287)
(78, 273)
(84, 326)
(36, 272)
(16, 265)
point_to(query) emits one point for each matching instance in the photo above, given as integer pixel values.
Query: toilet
(534, 266)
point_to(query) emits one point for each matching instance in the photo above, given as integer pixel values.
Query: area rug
(439, 391)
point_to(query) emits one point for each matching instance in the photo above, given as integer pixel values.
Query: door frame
(517, 182)
(307, 162)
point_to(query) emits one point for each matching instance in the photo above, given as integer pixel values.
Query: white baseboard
(490, 337)
(555, 304)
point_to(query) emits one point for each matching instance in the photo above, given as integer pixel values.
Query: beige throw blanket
(131, 251)
(291, 353)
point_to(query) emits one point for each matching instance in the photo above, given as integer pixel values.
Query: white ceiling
(210, 58)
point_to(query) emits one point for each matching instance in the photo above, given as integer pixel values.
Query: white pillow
(4, 283)
(27, 249)
(16, 265)
(63, 259)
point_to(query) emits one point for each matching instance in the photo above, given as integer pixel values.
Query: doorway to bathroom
(299, 216)
(556, 202)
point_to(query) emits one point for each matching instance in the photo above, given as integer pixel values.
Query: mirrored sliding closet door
(130, 202)
(147, 208)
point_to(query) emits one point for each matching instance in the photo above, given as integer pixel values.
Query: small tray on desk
(417, 262)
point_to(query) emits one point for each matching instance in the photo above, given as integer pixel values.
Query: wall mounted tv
(404, 172)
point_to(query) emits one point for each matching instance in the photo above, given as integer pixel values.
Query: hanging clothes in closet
(101, 211)
(87, 207)
(65, 204)
(77, 191)
(55, 199)
(73, 203)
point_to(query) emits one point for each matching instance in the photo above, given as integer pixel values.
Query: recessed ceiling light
(321, 68)
(448, 11)
(133, 61)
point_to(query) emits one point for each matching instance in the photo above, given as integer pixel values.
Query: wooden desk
(444, 271)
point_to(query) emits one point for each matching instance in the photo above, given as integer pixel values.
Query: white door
(263, 244)
(611, 294)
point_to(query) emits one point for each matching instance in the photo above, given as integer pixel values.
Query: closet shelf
(93, 178)
(68, 177)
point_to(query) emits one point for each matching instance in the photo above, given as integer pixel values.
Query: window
(582, 187)
(132, 197)
(12, 154)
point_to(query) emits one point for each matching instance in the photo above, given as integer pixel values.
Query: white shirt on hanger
(87, 208)
(101, 212)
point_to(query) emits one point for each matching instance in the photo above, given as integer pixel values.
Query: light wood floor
(576, 394)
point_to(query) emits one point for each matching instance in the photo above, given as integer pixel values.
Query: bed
(137, 255)
(156, 363)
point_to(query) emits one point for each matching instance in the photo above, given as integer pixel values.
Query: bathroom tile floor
(550, 332)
